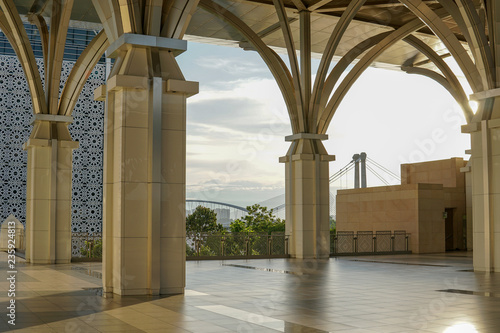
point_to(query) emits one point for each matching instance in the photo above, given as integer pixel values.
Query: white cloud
(235, 136)
(261, 90)
(230, 65)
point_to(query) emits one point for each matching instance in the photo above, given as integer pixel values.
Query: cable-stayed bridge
(383, 174)
(360, 166)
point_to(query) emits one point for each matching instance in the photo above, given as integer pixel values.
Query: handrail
(236, 245)
(367, 242)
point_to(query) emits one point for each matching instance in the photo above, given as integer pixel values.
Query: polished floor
(404, 293)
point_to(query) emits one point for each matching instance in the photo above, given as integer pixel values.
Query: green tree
(203, 219)
(259, 220)
(333, 224)
(238, 226)
(92, 249)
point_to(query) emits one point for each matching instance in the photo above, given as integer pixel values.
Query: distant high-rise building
(223, 216)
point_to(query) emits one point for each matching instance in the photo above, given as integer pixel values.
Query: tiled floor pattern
(406, 293)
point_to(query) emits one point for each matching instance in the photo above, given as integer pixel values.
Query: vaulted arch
(477, 80)
(80, 73)
(338, 95)
(450, 82)
(272, 60)
(12, 26)
(334, 40)
(344, 62)
(59, 23)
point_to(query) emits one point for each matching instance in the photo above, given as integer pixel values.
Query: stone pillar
(307, 196)
(468, 204)
(485, 168)
(144, 168)
(48, 194)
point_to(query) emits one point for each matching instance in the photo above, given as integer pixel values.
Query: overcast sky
(237, 123)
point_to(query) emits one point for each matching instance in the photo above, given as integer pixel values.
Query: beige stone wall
(445, 172)
(448, 173)
(380, 209)
(416, 208)
(431, 224)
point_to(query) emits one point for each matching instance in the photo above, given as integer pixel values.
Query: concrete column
(468, 205)
(485, 169)
(145, 153)
(48, 195)
(307, 196)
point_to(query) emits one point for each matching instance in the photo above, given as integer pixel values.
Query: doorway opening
(449, 229)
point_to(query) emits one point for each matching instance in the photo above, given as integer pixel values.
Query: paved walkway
(405, 293)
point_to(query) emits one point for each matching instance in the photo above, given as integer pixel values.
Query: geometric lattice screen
(87, 128)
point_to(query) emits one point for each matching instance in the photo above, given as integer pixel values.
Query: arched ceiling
(375, 16)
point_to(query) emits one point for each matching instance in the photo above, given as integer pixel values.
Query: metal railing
(236, 245)
(367, 242)
(242, 245)
(210, 245)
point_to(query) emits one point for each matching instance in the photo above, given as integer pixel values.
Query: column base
(63, 261)
(108, 295)
(483, 270)
(320, 257)
(131, 292)
(41, 261)
(143, 292)
(171, 291)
